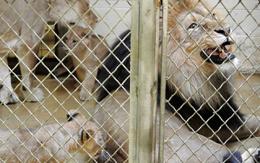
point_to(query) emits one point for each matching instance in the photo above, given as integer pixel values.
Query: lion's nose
(225, 31)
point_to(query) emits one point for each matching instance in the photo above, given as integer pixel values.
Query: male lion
(78, 140)
(22, 26)
(201, 66)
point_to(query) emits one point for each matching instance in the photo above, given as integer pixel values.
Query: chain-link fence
(65, 81)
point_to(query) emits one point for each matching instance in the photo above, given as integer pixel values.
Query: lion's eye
(193, 25)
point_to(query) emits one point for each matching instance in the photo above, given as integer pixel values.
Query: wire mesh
(194, 69)
(66, 97)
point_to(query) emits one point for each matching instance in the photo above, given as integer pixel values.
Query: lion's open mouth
(218, 55)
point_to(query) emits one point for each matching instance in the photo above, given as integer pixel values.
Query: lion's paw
(34, 95)
(252, 155)
(7, 95)
(84, 95)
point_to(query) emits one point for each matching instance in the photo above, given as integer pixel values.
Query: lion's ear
(72, 115)
(86, 135)
(89, 134)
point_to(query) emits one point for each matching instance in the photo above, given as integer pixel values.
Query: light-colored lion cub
(77, 138)
(87, 51)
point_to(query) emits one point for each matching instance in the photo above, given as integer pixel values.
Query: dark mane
(115, 71)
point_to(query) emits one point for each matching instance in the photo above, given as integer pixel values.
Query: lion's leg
(179, 138)
(88, 83)
(7, 94)
(90, 66)
(27, 63)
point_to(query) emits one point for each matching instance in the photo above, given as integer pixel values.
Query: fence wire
(65, 81)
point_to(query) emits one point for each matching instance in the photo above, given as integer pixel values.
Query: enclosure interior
(61, 85)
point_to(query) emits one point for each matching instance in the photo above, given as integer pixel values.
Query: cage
(66, 94)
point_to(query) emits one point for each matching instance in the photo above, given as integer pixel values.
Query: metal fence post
(143, 89)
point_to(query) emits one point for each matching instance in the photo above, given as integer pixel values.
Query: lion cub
(78, 139)
(87, 51)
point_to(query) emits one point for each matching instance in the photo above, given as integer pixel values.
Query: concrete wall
(115, 17)
(243, 16)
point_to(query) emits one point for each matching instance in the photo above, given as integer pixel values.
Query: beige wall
(115, 17)
(244, 18)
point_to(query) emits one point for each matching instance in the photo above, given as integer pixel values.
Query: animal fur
(87, 51)
(199, 89)
(114, 73)
(77, 139)
(181, 144)
(22, 26)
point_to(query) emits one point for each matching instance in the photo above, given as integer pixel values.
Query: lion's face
(212, 36)
(92, 140)
(204, 36)
(72, 11)
(200, 51)
(78, 40)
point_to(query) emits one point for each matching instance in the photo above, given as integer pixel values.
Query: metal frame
(143, 88)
